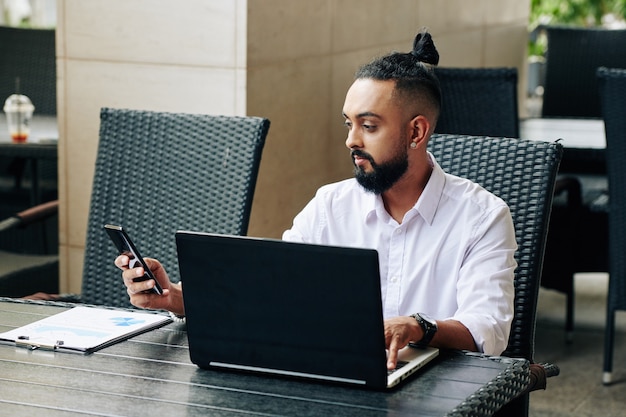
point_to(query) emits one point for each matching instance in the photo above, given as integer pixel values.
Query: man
(446, 246)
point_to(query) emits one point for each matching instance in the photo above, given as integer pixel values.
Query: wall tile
(461, 49)
(452, 16)
(510, 12)
(498, 45)
(153, 31)
(151, 87)
(359, 24)
(280, 30)
(60, 29)
(72, 280)
(294, 157)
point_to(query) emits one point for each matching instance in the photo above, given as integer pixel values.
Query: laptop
(289, 309)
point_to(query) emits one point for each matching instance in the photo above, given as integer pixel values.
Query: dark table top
(29, 150)
(38, 153)
(152, 373)
(584, 141)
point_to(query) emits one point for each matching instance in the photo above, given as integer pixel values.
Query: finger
(130, 274)
(392, 357)
(134, 280)
(122, 261)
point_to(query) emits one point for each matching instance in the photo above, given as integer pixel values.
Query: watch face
(428, 319)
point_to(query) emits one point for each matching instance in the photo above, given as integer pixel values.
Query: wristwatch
(428, 325)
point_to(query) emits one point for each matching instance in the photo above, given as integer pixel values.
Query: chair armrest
(539, 373)
(550, 369)
(38, 212)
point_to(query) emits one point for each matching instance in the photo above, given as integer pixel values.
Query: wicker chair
(573, 55)
(29, 54)
(20, 271)
(612, 85)
(522, 173)
(478, 101)
(157, 173)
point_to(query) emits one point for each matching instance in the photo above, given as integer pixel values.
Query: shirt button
(398, 231)
(394, 279)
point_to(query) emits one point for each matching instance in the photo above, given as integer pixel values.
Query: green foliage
(570, 12)
(575, 12)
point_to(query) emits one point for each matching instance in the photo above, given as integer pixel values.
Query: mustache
(361, 154)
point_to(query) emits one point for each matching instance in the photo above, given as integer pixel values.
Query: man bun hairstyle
(413, 72)
(424, 49)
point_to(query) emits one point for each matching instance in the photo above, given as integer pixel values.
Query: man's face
(377, 134)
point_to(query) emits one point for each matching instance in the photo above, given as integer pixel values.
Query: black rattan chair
(20, 270)
(157, 173)
(572, 58)
(29, 54)
(478, 101)
(612, 86)
(523, 174)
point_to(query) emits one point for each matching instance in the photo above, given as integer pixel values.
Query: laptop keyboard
(399, 365)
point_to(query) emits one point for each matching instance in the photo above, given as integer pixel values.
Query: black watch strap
(429, 327)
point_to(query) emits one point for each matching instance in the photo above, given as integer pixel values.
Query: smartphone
(126, 247)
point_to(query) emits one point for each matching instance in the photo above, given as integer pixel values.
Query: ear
(420, 129)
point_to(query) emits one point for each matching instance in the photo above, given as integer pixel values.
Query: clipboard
(83, 329)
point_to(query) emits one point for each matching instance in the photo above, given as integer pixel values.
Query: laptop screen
(292, 307)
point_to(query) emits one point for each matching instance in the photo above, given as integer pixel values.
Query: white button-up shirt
(452, 257)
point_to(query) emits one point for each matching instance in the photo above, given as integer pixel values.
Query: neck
(403, 195)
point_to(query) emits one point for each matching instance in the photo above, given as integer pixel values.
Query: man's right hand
(139, 291)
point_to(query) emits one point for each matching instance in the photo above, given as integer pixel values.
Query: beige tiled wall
(290, 61)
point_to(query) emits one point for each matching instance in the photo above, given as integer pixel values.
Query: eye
(347, 124)
(368, 126)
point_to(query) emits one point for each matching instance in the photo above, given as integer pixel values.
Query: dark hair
(413, 72)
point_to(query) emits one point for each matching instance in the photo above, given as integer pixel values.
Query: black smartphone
(126, 247)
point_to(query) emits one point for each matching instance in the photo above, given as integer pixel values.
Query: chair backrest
(522, 173)
(478, 101)
(572, 58)
(29, 54)
(612, 86)
(157, 173)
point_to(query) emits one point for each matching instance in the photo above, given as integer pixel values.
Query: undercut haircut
(413, 72)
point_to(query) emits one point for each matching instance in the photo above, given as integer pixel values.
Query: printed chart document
(83, 329)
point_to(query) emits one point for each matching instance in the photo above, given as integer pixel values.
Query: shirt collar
(428, 202)
(426, 205)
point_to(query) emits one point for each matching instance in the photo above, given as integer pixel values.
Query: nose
(353, 141)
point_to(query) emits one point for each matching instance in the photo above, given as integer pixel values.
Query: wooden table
(151, 374)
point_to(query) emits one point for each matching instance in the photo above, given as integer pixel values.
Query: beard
(383, 176)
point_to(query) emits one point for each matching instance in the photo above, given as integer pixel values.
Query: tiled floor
(578, 390)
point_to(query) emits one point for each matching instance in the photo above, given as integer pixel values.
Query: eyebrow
(364, 114)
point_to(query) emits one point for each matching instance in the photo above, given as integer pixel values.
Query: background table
(584, 141)
(152, 373)
(40, 146)
(43, 129)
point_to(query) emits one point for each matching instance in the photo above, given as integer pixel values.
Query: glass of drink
(19, 111)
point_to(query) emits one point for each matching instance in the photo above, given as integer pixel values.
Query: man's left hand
(399, 331)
